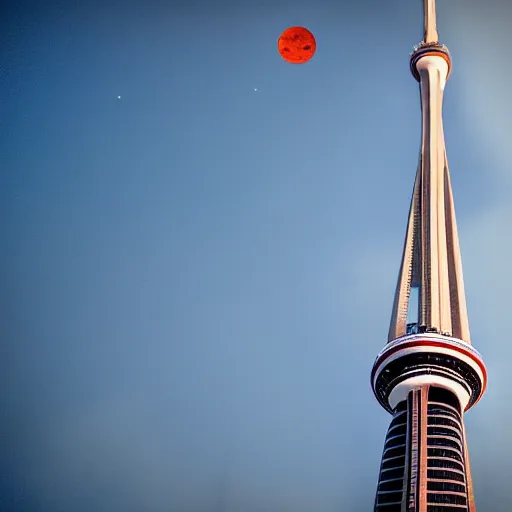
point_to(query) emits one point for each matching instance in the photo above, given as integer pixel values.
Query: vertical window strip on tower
(390, 486)
(414, 430)
(446, 479)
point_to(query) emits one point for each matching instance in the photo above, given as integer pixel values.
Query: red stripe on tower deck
(432, 343)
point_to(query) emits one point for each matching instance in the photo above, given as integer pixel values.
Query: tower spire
(429, 14)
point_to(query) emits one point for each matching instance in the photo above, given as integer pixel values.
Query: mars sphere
(296, 45)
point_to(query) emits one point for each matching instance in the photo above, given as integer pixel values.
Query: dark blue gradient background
(196, 278)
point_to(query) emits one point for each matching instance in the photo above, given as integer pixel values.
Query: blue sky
(197, 277)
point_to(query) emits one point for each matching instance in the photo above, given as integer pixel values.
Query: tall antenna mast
(430, 28)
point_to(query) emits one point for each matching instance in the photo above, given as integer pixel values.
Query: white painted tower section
(431, 260)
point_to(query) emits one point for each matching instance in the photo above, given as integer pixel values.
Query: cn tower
(428, 373)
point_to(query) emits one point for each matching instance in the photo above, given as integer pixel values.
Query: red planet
(296, 45)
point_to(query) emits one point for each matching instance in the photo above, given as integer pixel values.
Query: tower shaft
(431, 262)
(425, 464)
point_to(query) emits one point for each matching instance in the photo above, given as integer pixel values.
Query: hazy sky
(197, 277)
